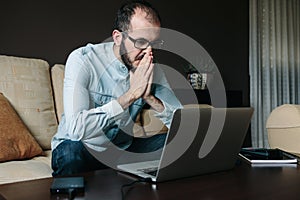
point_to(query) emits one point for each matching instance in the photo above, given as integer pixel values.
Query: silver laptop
(199, 141)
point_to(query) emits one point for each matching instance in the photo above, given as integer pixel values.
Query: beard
(124, 57)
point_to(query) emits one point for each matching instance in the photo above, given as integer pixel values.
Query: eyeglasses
(142, 43)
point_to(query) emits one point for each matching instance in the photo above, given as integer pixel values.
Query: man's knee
(67, 158)
(71, 157)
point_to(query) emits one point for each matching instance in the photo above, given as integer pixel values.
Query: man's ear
(117, 37)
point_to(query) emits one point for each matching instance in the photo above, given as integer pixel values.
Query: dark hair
(127, 10)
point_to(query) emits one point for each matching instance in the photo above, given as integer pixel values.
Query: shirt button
(124, 69)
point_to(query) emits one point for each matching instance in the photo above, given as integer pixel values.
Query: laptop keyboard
(152, 171)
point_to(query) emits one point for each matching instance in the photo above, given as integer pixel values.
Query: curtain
(274, 60)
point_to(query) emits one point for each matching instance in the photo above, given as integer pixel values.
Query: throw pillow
(16, 142)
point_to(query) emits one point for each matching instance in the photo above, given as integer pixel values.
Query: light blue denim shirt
(94, 79)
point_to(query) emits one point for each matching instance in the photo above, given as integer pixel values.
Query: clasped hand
(142, 77)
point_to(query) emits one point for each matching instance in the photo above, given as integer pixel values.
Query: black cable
(141, 180)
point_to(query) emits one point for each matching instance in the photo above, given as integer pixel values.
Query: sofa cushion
(36, 168)
(26, 84)
(138, 129)
(57, 75)
(151, 124)
(16, 142)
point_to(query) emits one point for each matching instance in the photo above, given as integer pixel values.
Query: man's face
(141, 30)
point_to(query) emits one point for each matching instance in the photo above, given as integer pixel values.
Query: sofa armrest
(283, 127)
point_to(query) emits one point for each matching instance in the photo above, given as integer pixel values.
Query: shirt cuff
(112, 108)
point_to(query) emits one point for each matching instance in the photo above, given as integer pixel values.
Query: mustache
(140, 57)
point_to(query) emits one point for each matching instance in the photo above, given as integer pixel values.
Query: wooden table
(243, 182)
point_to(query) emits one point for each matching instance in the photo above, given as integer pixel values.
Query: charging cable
(141, 180)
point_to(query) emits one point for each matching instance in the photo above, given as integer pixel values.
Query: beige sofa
(283, 127)
(34, 91)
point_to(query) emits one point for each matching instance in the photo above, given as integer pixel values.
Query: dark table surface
(242, 182)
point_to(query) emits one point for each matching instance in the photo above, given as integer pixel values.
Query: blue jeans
(71, 157)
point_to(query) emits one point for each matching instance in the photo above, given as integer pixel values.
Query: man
(105, 87)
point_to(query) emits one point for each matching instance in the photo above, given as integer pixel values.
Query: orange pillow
(16, 142)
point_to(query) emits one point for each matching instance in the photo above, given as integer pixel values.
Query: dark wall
(51, 29)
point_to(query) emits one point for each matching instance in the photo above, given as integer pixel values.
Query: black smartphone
(67, 185)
